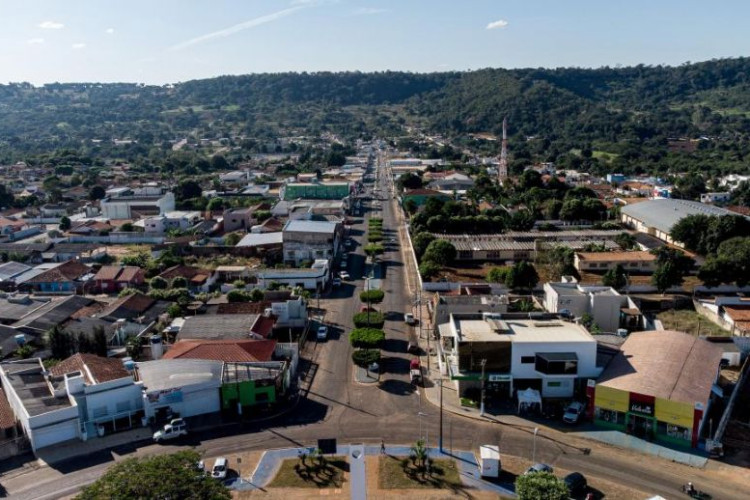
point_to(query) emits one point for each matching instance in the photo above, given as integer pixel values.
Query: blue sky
(166, 41)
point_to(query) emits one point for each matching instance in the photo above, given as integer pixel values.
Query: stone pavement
(365, 376)
(468, 468)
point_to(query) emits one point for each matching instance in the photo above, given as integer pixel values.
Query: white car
(322, 333)
(409, 319)
(573, 412)
(171, 431)
(344, 275)
(220, 468)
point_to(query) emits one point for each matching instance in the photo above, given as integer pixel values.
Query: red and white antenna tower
(502, 168)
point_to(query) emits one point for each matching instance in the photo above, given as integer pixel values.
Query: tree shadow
(323, 474)
(432, 475)
(397, 387)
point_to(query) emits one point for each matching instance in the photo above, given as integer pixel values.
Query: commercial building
(250, 384)
(524, 245)
(658, 386)
(600, 262)
(518, 351)
(315, 191)
(313, 278)
(657, 217)
(184, 387)
(310, 240)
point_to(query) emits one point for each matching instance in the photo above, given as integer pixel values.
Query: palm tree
(419, 453)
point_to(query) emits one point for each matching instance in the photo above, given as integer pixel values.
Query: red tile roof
(188, 272)
(136, 302)
(264, 326)
(232, 351)
(108, 273)
(738, 313)
(129, 274)
(69, 271)
(96, 369)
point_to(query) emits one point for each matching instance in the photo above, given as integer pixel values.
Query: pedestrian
(382, 447)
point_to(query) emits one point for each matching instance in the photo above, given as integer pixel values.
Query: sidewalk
(452, 404)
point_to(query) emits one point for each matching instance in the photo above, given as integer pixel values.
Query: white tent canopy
(529, 397)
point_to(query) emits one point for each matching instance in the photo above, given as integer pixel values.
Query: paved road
(337, 407)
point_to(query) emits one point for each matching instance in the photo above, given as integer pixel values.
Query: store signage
(492, 377)
(642, 408)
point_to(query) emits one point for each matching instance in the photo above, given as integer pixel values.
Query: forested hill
(609, 109)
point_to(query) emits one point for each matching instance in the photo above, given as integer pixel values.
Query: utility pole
(440, 441)
(481, 410)
(533, 456)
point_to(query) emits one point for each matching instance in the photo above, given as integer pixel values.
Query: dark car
(575, 482)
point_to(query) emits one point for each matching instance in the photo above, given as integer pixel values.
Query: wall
(605, 309)
(586, 352)
(109, 394)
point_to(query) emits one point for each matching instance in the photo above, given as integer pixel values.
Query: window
(465, 255)
(557, 363)
(527, 360)
(554, 384)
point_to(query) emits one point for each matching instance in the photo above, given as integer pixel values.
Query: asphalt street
(335, 406)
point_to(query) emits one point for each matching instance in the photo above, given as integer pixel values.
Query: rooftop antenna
(502, 168)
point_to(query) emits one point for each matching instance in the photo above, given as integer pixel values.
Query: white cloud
(110, 31)
(35, 41)
(499, 24)
(51, 25)
(79, 46)
(252, 23)
(368, 11)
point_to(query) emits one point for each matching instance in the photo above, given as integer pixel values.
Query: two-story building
(310, 240)
(130, 203)
(517, 352)
(171, 221)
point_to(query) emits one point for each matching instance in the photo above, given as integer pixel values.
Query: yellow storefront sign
(611, 399)
(674, 412)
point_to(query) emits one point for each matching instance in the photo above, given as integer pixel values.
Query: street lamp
(481, 409)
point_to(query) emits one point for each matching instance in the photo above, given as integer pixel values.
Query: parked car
(221, 466)
(409, 319)
(412, 348)
(575, 482)
(573, 412)
(344, 275)
(539, 468)
(336, 282)
(322, 333)
(171, 431)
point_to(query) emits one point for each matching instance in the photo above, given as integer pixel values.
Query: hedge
(365, 357)
(372, 296)
(377, 320)
(367, 338)
(375, 238)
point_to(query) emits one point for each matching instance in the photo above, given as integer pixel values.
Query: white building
(310, 240)
(609, 309)
(715, 197)
(186, 387)
(80, 398)
(314, 278)
(175, 220)
(127, 203)
(553, 356)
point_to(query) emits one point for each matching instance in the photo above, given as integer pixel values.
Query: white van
(219, 470)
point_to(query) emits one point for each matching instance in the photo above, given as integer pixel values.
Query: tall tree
(617, 278)
(522, 276)
(441, 252)
(159, 477)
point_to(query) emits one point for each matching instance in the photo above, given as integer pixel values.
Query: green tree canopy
(441, 252)
(617, 278)
(161, 477)
(158, 283)
(64, 223)
(541, 486)
(522, 276)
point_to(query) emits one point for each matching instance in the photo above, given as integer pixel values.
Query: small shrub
(365, 357)
(428, 269)
(372, 296)
(367, 338)
(376, 320)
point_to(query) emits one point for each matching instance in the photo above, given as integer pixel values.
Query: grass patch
(690, 322)
(402, 473)
(292, 474)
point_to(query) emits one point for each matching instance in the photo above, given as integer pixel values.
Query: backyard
(685, 320)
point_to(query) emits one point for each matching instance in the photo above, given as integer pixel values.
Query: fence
(13, 447)
(715, 445)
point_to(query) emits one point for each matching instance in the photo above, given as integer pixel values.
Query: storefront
(647, 417)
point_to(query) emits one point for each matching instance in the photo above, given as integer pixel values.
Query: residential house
(66, 278)
(453, 182)
(82, 252)
(236, 219)
(9, 271)
(444, 305)
(112, 279)
(610, 310)
(171, 221)
(236, 351)
(199, 280)
(136, 307)
(127, 203)
(54, 313)
(226, 327)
